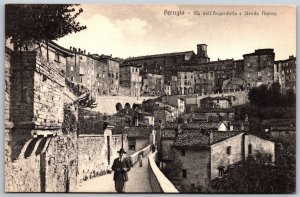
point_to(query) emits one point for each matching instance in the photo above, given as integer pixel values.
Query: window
(221, 171)
(248, 64)
(184, 174)
(269, 74)
(248, 75)
(259, 73)
(72, 78)
(182, 152)
(250, 149)
(81, 79)
(131, 147)
(57, 57)
(98, 84)
(228, 150)
(72, 68)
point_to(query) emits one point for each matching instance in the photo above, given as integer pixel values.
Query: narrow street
(138, 181)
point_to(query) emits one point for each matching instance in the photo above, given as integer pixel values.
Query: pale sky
(124, 31)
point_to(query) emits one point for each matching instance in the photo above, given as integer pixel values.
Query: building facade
(259, 67)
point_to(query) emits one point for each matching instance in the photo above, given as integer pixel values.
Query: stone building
(215, 102)
(174, 84)
(80, 70)
(113, 73)
(166, 63)
(176, 101)
(35, 142)
(285, 73)
(205, 156)
(186, 83)
(164, 113)
(259, 67)
(130, 79)
(153, 85)
(139, 137)
(101, 80)
(233, 84)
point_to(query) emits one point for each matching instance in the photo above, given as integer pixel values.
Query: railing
(158, 181)
(135, 156)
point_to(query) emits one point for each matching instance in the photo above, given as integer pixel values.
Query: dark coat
(121, 174)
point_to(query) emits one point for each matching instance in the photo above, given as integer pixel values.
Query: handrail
(144, 151)
(159, 182)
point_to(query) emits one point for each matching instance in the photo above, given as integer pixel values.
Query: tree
(29, 24)
(86, 100)
(254, 176)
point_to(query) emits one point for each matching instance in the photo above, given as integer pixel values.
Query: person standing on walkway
(121, 166)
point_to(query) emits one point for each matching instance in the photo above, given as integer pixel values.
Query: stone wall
(94, 159)
(159, 182)
(23, 175)
(259, 146)
(40, 156)
(197, 166)
(60, 164)
(219, 156)
(141, 143)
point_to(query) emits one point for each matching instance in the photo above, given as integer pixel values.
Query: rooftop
(159, 55)
(198, 140)
(205, 125)
(138, 132)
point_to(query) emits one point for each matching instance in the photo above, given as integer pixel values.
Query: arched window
(119, 107)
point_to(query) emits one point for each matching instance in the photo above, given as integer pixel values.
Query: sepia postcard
(104, 98)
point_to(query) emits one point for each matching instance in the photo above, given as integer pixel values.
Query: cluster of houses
(207, 142)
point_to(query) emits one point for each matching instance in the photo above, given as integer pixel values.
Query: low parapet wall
(135, 156)
(158, 181)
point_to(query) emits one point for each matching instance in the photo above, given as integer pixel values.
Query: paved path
(138, 181)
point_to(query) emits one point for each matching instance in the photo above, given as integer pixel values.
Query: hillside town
(186, 122)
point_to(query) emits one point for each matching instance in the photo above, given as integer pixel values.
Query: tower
(202, 50)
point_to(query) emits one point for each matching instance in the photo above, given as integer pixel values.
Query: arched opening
(119, 106)
(134, 106)
(127, 106)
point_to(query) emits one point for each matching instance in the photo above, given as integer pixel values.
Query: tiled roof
(283, 128)
(204, 125)
(159, 55)
(191, 140)
(219, 136)
(138, 132)
(171, 125)
(215, 110)
(200, 140)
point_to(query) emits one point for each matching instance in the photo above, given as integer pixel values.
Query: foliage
(69, 124)
(172, 171)
(91, 125)
(263, 96)
(27, 24)
(253, 176)
(85, 99)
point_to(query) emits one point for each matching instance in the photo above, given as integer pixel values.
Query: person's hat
(121, 150)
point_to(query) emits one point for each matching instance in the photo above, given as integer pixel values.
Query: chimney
(71, 48)
(79, 50)
(84, 51)
(110, 55)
